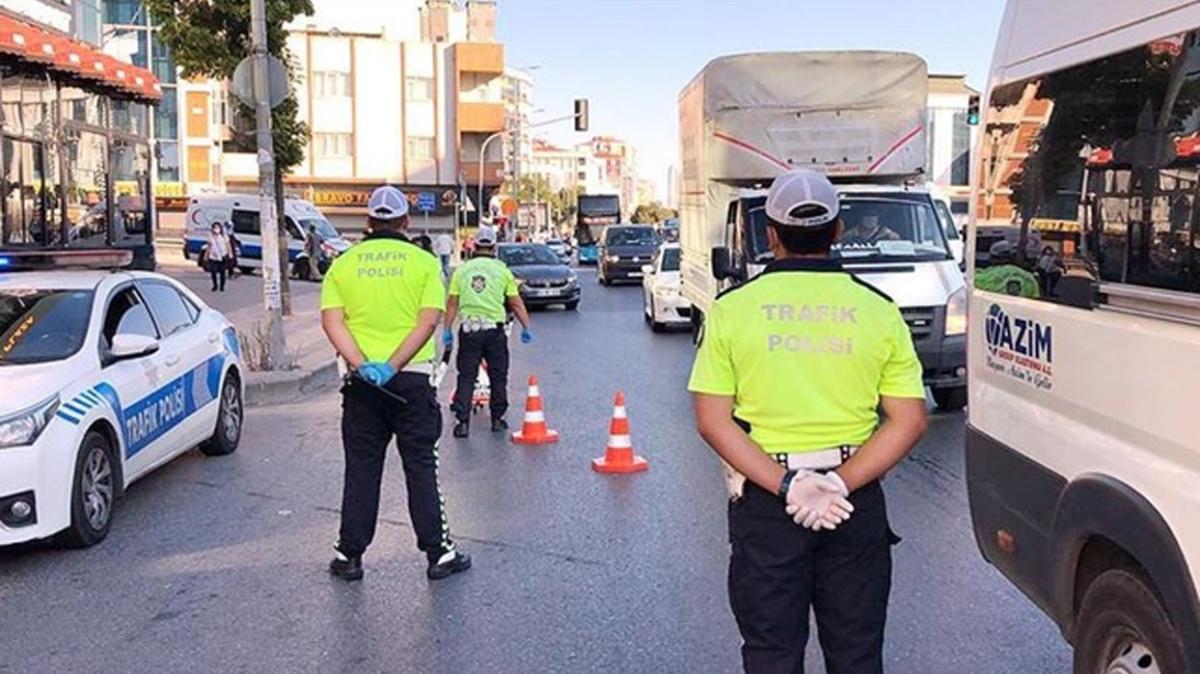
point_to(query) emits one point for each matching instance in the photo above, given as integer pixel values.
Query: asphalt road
(218, 565)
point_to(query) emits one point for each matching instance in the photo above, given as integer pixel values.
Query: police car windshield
(41, 326)
(325, 229)
(902, 226)
(531, 254)
(630, 236)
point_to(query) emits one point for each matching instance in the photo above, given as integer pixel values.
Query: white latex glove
(817, 501)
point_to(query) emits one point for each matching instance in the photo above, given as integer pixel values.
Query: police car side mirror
(722, 263)
(128, 346)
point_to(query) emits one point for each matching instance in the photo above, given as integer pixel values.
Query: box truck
(857, 116)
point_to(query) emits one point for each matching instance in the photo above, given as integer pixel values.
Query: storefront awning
(58, 52)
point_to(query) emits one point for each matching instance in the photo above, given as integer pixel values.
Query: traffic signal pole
(278, 356)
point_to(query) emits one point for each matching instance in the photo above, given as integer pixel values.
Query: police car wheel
(1123, 628)
(93, 493)
(228, 433)
(950, 399)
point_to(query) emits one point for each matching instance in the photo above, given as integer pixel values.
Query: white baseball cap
(802, 198)
(387, 203)
(486, 236)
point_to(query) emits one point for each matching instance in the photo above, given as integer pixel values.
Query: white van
(1083, 461)
(242, 211)
(944, 206)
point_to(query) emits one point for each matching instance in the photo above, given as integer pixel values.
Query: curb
(274, 388)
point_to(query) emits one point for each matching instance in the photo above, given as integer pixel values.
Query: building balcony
(493, 171)
(480, 117)
(479, 57)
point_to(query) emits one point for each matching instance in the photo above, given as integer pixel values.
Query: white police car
(106, 375)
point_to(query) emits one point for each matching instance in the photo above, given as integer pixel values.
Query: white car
(108, 375)
(663, 302)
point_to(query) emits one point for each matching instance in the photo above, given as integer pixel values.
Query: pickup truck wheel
(93, 493)
(1123, 628)
(950, 399)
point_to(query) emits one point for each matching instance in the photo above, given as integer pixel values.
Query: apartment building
(567, 168)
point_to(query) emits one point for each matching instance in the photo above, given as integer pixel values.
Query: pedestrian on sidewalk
(443, 247)
(381, 302)
(314, 250)
(481, 291)
(216, 255)
(791, 407)
(235, 251)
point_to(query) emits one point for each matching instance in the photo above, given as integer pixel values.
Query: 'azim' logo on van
(1022, 348)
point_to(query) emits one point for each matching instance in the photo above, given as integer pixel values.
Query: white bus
(1083, 463)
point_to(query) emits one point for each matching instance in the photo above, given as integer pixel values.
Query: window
(245, 222)
(127, 315)
(42, 326)
(1098, 181)
(161, 62)
(331, 144)
(419, 88)
(168, 161)
(330, 84)
(420, 148)
(125, 12)
(166, 115)
(168, 308)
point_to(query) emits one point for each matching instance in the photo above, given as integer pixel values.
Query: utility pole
(278, 356)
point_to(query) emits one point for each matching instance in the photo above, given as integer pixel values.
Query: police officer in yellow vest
(381, 302)
(481, 292)
(790, 373)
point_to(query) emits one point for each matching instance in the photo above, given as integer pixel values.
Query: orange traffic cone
(618, 456)
(533, 430)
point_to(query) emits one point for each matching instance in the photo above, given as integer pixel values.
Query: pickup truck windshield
(877, 227)
(40, 326)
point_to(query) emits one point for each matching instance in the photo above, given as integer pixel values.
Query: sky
(631, 58)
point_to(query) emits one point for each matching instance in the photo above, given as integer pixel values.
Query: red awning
(60, 53)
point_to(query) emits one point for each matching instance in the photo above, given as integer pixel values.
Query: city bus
(1082, 463)
(595, 212)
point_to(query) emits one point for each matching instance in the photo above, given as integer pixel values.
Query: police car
(107, 375)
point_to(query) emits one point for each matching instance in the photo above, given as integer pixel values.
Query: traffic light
(973, 110)
(581, 114)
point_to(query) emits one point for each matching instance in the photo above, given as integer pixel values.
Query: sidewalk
(242, 304)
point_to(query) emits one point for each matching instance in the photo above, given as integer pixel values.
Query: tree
(651, 213)
(209, 39)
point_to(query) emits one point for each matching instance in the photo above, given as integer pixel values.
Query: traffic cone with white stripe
(533, 430)
(618, 456)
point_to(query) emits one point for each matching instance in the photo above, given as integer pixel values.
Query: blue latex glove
(378, 374)
(526, 335)
(448, 338)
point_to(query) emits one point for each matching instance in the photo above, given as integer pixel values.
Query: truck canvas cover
(849, 114)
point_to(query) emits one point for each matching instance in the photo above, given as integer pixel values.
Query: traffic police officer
(380, 306)
(790, 373)
(480, 291)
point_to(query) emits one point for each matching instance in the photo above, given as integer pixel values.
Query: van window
(1099, 163)
(245, 222)
(292, 228)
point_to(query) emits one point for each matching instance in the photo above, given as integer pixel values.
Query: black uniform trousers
(778, 570)
(370, 420)
(473, 348)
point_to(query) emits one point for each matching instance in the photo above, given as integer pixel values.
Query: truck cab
(894, 240)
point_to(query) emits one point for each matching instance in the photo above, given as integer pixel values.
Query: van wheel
(228, 433)
(1123, 627)
(93, 493)
(950, 399)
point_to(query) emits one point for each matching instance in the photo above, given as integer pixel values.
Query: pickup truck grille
(921, 321)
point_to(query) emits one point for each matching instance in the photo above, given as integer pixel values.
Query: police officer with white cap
(381, 302)
(792, 369)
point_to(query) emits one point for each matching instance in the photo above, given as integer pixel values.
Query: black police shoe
(462, 429)
(346, 568)
(449, 564)
(499, 425)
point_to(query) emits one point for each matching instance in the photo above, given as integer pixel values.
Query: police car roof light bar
(49, 260)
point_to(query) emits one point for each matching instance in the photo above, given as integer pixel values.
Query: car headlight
(956, 313)
(612, 258)
(572, 278)
(24, 427)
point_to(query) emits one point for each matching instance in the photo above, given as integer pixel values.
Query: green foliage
(651, 213)
(208, 38)
(531, 188)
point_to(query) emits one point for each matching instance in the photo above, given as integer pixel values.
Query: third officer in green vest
(790, 373)
(481, 293)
